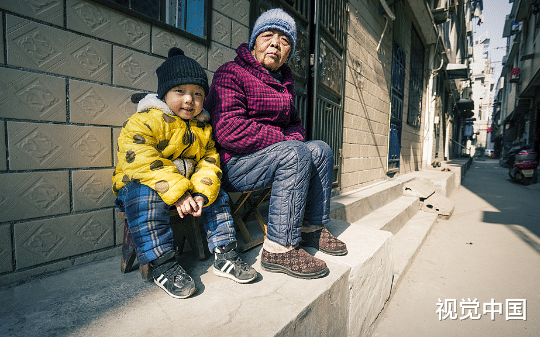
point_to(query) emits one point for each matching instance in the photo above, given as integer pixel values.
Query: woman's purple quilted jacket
(251, 110)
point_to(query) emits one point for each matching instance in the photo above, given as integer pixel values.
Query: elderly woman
(262, 143)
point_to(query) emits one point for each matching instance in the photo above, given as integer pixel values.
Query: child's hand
(187, 205)
(200, 203)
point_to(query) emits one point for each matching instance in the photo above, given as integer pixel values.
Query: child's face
(186, 100)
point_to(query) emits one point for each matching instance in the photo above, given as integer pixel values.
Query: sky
(494, 13)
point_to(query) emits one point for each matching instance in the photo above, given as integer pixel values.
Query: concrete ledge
(355, 205)
(461, 166)
(370, 259)
(443, 182)
(91, 299)
(392, 216)
(409, 240)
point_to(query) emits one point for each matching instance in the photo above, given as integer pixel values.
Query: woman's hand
(189, 205)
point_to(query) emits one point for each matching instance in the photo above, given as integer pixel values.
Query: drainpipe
(427, 153)
(389, 14)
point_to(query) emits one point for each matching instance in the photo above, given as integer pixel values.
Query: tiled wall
(66, 77)
(367, 97)
(367, 107)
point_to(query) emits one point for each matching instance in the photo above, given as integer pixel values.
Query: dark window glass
(188, 15)
(416, 80)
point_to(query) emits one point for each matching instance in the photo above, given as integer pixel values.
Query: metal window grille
(416, 82)
(396, 99)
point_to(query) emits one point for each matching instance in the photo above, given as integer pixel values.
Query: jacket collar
(151, 101)
(247, 61)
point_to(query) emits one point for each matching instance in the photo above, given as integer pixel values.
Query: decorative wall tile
(236, 9)
(25, 95)
(6, 257)
(135, 70)
(92, 189)
(51, 146)
(31, 195)
(240, 34)
(163, 40)
(98, 104)
(47, 240)
(51, 11)
(3, 162)
(217, 55)
(95, 20)
(35, 46)
(221, 29)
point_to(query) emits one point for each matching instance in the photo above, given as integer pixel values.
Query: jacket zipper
(190, 139)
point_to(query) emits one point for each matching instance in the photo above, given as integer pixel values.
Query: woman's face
(272, 49)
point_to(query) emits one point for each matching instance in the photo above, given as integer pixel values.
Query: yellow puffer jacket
(149, 142)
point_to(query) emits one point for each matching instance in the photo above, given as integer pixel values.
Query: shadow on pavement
(518, 206)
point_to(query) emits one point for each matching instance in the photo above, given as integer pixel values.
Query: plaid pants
(148, 221)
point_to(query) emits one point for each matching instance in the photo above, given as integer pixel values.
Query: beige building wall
(367, 96)
(66, 78)
(411, 136)
(367, 102)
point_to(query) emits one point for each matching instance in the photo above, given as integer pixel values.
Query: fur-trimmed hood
(151, 101)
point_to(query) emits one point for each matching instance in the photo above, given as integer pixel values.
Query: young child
(166, 157)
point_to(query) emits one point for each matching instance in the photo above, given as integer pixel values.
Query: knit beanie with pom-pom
(179, 69)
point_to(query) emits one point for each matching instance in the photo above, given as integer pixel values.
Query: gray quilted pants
(300, 175)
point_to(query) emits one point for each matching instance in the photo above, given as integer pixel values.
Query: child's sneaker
(171, 277)
(229, 264)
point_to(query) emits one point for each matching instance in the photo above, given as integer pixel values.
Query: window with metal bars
(416, 80)
(189, 16)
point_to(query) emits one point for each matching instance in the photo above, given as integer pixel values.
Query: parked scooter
(522, 163)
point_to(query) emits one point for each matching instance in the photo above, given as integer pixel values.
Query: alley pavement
(481, 268)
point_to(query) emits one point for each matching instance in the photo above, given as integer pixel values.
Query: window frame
(161, 24)
(416, 76)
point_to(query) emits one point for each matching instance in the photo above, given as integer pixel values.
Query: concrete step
(392, 216)
(355, 205)
(347, 300)
(409, 240)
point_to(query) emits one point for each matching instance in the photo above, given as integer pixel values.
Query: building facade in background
(483, 85)
(517, 103)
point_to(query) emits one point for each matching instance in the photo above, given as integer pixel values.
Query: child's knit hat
(179, 69)
(277, 19)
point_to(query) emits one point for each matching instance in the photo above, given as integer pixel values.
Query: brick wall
(66, 77)
(367, 103)
(367, 97)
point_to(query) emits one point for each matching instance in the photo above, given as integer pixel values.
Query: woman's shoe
(324, 241)
(296, 262)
